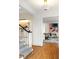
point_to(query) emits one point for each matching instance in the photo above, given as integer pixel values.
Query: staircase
(25, 42)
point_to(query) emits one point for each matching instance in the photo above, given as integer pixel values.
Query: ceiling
(24, 14)
(37, 7)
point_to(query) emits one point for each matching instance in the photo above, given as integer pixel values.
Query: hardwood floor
(47, 51)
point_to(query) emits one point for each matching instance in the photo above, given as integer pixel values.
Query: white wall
(43, 30)
(37, 30)
(46, 27)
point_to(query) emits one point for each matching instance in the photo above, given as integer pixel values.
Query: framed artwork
(53, 27)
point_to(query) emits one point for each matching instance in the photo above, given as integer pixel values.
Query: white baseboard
(37, 44)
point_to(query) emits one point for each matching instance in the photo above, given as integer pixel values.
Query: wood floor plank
(47, 51)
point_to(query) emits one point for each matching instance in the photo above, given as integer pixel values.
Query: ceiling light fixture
(45, 5)
(45, 2)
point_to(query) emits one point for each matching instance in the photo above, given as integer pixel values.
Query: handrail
(25, 29)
